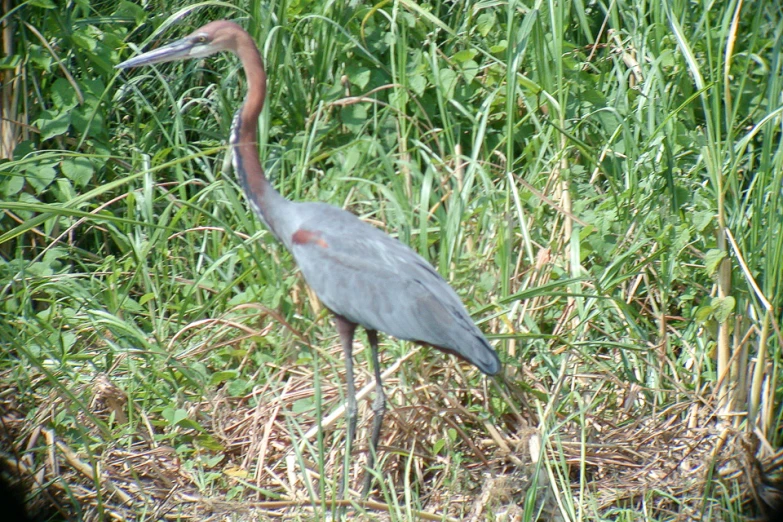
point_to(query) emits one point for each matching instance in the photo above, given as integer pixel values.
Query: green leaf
(222, 376)
(190, 424)
(130, 9)
(448, 81)
(40, 269)
(63, 190)
(500, 47)
(398, 98)
(68, 340)
(469, 70)
(359, 76)
(11, 183)
(174, 416)
(354, 116)
(84, 40)
(23, 148)
(485, 22)
(53, 257)
(63, 94)
(723, 307)
(40, 176)
(464, 55)
(352, 158)
(103, 57)
(88, 118)
(712, 260)
(129, 304)
(417, 83)
(78, 169)
(237, 387)
(93, 88)
(208, 442)
(24, 197)
(53, 124)
(703, 219)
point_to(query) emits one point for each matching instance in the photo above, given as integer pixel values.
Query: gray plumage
(374, 280)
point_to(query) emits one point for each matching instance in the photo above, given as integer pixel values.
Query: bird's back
(373, 280)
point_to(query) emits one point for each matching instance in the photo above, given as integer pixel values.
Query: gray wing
(373, 280)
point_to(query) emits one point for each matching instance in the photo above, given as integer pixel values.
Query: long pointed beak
(168, 53)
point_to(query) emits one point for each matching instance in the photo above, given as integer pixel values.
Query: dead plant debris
(259, 462)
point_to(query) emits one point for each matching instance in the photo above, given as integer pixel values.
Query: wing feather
(374, 280)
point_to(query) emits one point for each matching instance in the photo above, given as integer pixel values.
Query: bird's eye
(201, 39)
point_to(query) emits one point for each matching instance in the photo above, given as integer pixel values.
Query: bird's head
(220, 35)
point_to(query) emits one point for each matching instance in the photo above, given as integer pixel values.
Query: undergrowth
(601, 184)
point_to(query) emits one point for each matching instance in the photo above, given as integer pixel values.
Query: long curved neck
(263, 198)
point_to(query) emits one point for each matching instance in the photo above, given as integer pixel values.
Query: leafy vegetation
(601, 183)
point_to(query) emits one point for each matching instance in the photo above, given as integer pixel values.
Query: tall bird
(361, 274)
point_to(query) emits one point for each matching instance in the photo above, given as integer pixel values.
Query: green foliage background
(600, 181)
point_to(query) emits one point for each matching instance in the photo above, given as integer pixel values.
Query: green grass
(601, 183)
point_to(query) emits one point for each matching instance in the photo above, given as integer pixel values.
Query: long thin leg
(346, 329)
(378, 408)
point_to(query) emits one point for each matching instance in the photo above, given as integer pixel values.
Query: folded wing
(373, 280)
